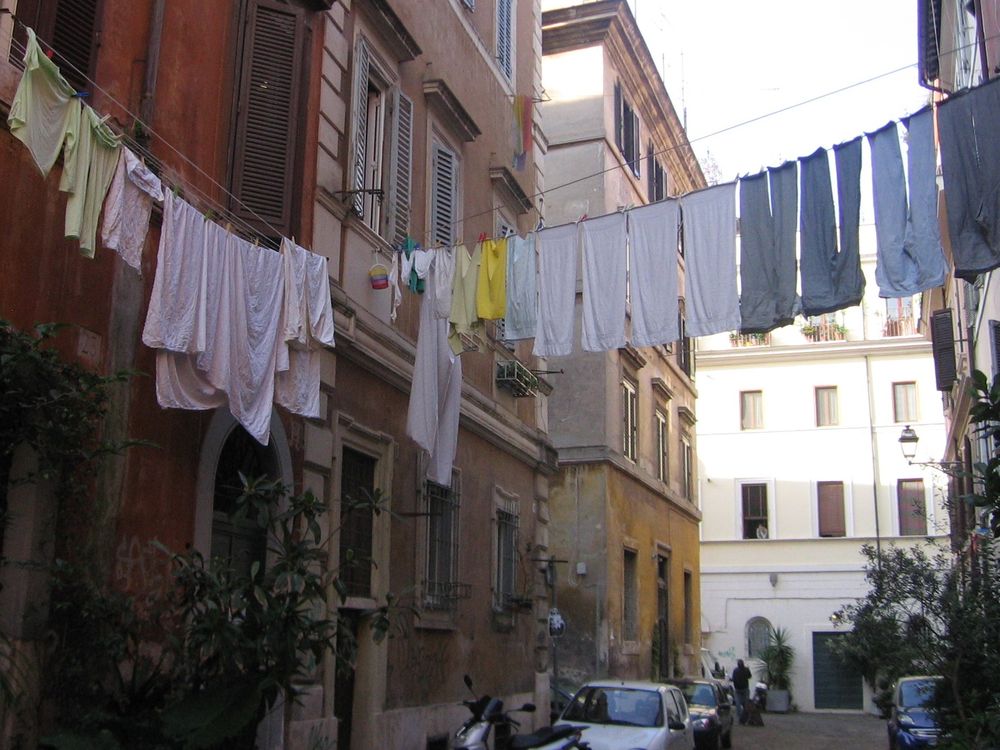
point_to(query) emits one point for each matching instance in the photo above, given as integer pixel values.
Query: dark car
(711, 712)
(911, 721)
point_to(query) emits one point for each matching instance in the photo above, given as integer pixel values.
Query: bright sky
(729, 61)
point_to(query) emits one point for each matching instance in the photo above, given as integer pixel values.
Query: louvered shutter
(444, 190)
(70, 28)
(651, 174)
(362, 64)
(268, 115)
(995, 340)
(504, 37)
(929, 35)
(830, 501)
(619, 122)
(402, 161)
(943, 347)
(636, 141)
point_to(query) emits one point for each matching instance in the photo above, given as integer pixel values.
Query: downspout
(147, 104)
(876, 475)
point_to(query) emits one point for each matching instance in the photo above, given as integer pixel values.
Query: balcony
(821, 332)
(899, 326)
(749, 339)
(516, 379)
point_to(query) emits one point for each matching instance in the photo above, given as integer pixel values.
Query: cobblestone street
(812, 731)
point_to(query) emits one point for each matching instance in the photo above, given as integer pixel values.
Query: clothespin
(540, 225)
(582, 218)
(176, 191)
(81, 94)
(229, 227)
(482, 237)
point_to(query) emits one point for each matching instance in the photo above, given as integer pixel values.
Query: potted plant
(778, 657)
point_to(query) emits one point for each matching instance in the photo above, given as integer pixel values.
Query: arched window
(758, 636)
(240, 540)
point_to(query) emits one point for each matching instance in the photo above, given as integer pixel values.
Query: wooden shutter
(912, 507)
(619, 120)
(943, 347)
(504, 36)
(267, 123)
(402, 165)
(636, 141)
(70, 28)
(830, 501)
(995, 340)
(651, 174)
(929, 35)
(362, 65)
(444, 191)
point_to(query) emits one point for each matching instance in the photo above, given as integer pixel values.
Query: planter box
(778, 701)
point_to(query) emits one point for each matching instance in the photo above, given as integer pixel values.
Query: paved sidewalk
(802, 731)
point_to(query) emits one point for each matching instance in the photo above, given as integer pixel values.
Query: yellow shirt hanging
(491, 292)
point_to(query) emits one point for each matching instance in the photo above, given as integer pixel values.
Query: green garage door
(835, 684)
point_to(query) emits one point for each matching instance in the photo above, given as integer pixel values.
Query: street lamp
(908, 440)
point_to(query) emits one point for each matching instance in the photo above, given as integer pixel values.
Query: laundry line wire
(228, 215)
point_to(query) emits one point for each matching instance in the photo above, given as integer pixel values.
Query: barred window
(505, 536)
(440, 585)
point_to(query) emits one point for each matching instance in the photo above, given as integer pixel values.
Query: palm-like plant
(778, 657)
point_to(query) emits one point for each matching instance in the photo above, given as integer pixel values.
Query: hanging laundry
(652, 239)
(491, 290)
(923, 230)
(558, 248)
(444, 272)
(522, 127)
(88, 166)
(127, 208)
(415, 264)
(907, 264)
(175, 319)
(604, 282)
(394, 285)
(307, 327)
(436, 394)
(522, 289)
(970, 165)
(711, 300)
(463, 319)
(767, 250)
(831, 280)
(43, 108)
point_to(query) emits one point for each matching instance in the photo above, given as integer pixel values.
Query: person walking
(741, 686)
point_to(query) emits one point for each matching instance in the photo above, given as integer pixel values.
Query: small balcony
(740, 340)
(901, 326)
(821, 332)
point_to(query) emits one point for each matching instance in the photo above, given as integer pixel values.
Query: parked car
(711, 712)
(559, 697)
(911, 722)
(638, 715)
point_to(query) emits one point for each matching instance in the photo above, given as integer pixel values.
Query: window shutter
(504, 33)
(362, 63)
(70, 27)
(444, 189)
(636, 140)
(619, 121)
(651, 174)
(928, 45)
(268, 115)
(995, 336)
(830, 497)
(943, 347)
(399, 187)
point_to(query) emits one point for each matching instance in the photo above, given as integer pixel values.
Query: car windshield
(698, 694)
(916, 693)
(613, 705)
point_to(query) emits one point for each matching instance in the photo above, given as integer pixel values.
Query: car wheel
(727, 738)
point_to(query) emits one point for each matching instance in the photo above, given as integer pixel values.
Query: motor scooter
(491, 728)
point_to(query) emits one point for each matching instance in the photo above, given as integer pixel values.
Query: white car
(631, 715)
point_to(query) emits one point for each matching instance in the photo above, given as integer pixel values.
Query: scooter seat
(542, 736)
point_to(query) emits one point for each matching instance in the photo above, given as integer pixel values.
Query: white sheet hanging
(653, 272)
(711, 302)
(522, 289)
(604, 282)
(444, 272)
(127, 208)
(557, 251)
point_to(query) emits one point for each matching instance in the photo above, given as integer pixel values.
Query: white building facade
(799, 466)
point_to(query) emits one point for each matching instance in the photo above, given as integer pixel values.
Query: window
(826, 406)
(685, 353)
(71, 28)
(505, 36)
(899, 317)
(758, 637)
(751, 410)
(904, 402)
(688, 607)
(630, 423)
(662, 456)
(754, 497)
(630, 596)
(382, 148)
(687, 460)
(268, 122)
(238, 538)
(662, 614)
(830, 509)
(444, 193)
(627, 130)
(912, 507)
(440, 585)
(505, 550)
(357, 487)
(656, 176)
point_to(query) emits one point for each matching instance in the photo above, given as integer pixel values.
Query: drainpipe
(876, 475)
(146, 105)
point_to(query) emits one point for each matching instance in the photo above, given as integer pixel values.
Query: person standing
(741, 686)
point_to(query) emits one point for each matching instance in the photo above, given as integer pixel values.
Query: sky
(730, 61)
